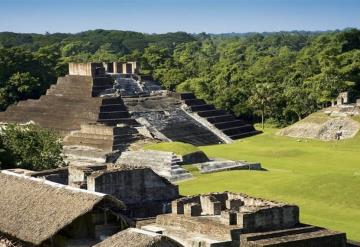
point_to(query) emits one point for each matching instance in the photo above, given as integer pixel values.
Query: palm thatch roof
(133, 237)
(33, 210)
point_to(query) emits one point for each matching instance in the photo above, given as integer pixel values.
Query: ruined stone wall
(268, 218)
(54, 175)
(133, 186)
(85, 69)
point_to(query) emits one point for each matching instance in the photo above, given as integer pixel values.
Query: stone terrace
(64, 107)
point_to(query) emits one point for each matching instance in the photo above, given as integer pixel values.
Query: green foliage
(29, 147)
(299, 71)
(30, 63)
(282, 76)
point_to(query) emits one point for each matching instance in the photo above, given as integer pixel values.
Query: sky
(193, 16)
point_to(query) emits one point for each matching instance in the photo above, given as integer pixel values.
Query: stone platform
(165, 164)
(227, 165)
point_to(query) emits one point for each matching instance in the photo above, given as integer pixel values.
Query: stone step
(222, 118)
(82, 140)
(230, 124)
(194, 102)
(205, 107)
(243, 135)
(112, 101)
(99, 129)
(51, 108)
(84, 153)
(80, 134)
(58, 114)
(211, 113)
(114, 107)
(69, 100)
(113, 115)
(184, 96)
(239, 130)
(114, 122)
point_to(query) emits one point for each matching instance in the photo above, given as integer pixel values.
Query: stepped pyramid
(64, 107)
(73, 108)
(224, 124)
(72, 101)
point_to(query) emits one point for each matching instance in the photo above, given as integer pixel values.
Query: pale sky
(194, 16)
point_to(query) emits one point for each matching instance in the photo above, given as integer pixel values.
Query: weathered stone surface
(303, 236)
(165, 164)
(226, 165)
(192, 209)
(143, 191)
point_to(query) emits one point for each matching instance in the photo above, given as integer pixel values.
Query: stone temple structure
(102, 108)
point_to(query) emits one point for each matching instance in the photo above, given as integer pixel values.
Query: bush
(29, 147)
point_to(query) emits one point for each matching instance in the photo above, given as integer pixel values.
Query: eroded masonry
(113, 193)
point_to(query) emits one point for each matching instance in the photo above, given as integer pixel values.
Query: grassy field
(323, 178)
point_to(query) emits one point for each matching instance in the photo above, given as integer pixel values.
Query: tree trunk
(262, 120)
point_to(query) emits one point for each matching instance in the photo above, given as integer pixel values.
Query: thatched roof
(33, 210)
(133, 237)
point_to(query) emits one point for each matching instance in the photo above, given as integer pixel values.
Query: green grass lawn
(323, 178)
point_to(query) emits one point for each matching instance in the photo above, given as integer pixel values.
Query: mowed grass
(323, 178)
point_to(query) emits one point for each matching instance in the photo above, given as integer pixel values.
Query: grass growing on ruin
(323, 178)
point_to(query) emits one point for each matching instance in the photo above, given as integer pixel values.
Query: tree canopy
(280, 77)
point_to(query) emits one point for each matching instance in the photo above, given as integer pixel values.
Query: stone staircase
(65, 106)
(113, 112)
(129, 87)
(224, 124)
(165, 164)
(106, 138)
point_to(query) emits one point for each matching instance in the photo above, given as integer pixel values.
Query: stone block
(228, 217)
(192, 209)
(210, 205)
(234, 204)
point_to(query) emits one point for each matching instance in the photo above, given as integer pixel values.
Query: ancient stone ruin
(232, 219)
(336, 122)
(111, 195)
(101, 109)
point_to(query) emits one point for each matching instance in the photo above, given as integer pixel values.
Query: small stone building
(143, 191)
(87, 69)
(37, 212)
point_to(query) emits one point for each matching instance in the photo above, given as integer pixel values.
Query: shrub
(29, 147)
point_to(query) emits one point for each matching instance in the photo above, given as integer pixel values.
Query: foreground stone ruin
(115, 199)
(231, 219)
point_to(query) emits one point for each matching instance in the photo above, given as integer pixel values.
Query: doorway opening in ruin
(128, 68)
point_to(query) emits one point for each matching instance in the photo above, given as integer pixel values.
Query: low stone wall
(54, 175)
